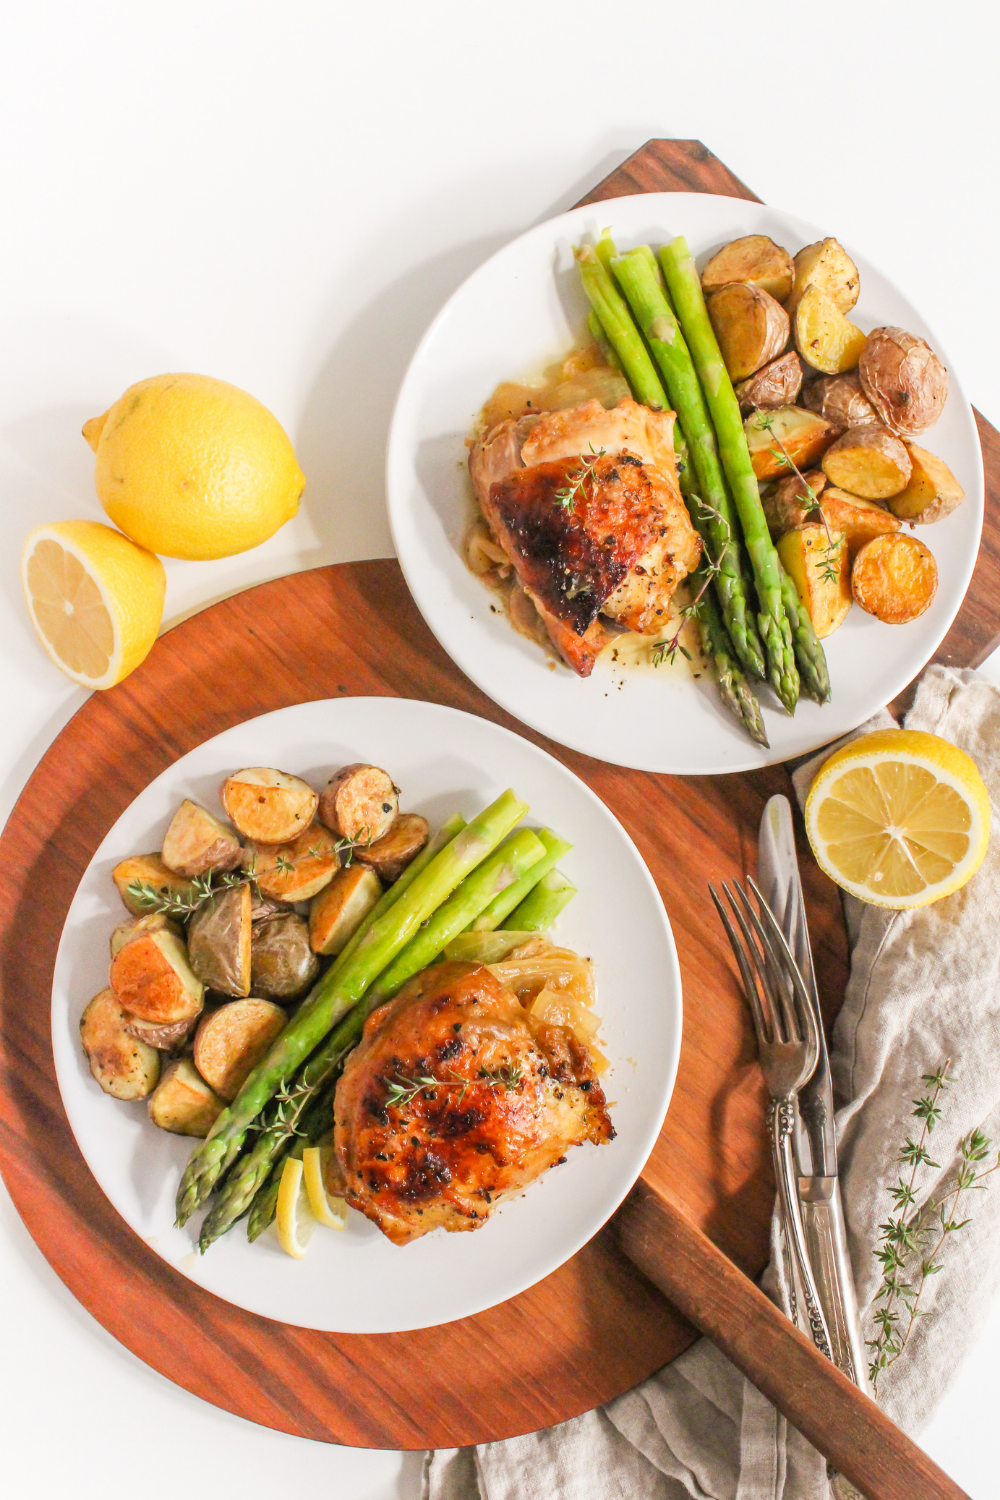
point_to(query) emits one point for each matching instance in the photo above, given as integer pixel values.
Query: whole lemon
(193, 467)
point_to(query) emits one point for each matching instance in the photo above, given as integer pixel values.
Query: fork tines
(774, 987)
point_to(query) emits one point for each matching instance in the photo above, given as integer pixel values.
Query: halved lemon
(296, 1220)
(327, 1207)
(95, 599)
(899, 818)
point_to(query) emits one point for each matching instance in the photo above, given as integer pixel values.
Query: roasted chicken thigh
(586, 506)
(454, 1100)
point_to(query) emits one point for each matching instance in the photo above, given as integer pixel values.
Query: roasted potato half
(219, 941)
(296, 871)
(754, 259)
(860, 520)
(828, 266)
(894, 578)
(840, 399)
(270, 807)
(932, 493)
(170, 1038)
(133, 927)
(124, 1067)
(143, 878)
(904, 380)
(801, 435)
(152, 979)
(282, 963)
(360, 803)
(819, 566)
(337, 912)
(231, 1042)
(751, 327)
(823, 336)
(184, 1103)
(868, 461)
(390, 855)
(197, 842)
(777, 384)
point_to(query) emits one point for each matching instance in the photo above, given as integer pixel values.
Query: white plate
(356, 1281)
(519, 311)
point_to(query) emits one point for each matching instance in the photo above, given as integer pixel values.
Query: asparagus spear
(689, 304)
(339, 989)
(623, 336)
(501, 906)
(542, 905)
(498, 871)
(809, 652)
(736, 692)
(711, 509)
(316, 1121)
(600, 338)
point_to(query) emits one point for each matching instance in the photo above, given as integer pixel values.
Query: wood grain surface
(595, 1327)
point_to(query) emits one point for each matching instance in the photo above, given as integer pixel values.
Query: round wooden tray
(586, 1333)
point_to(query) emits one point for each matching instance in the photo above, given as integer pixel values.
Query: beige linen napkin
(924, 985)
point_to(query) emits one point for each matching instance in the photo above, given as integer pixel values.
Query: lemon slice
(326, 1207)
(95, 599)
(899, 818)
(296, 1220)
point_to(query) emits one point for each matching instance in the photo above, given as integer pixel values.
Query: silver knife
(814, 1139)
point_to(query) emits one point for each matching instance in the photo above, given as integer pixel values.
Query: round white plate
(518, 312)
(356, 1281)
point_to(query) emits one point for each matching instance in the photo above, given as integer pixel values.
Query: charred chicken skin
(454, 1101)
(585, 504)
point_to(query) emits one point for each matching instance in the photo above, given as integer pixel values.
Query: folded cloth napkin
(924, 986)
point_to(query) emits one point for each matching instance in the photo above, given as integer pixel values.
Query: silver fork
(788, 1046)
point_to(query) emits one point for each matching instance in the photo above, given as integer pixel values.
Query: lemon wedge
(899, 818)
(327, 1208)
(296, 1220)
(95, 599)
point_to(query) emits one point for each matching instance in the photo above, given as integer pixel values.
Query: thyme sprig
(912, 1239)
(402, 1090)
(566, 498)
(181, 904)
(666, 651)
(286, 1111)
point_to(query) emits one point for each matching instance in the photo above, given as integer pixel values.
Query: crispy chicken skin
(588, 535)
(512, 1099)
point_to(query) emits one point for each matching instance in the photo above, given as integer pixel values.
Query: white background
(282, 196)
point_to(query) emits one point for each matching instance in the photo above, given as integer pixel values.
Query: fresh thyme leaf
(566, 498)
(402, 1090)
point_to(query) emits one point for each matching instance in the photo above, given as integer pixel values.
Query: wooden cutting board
(595, 1327)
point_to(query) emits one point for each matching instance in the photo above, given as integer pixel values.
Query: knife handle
(826, 1245)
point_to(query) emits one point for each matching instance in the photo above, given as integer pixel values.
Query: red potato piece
(152, 979)
(826, 265)
(134, 927)
(268, 806)
(894, 578)
(184, 1103)
(170, 1038)
(297, 870)
(777, 384)
(932, 493)
(360, 803)
(233, 1040)
(817, 563)
(390, 855)
(219, 941)
(868, 461)
(337, 912)
(148, 872)
(125, 1067)
(197, 842)
(780, 438)
(751, 327)
(754, 259)
(859, 520)
(823, 336)
(282, 963)
(904, 380)
(840, 399)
